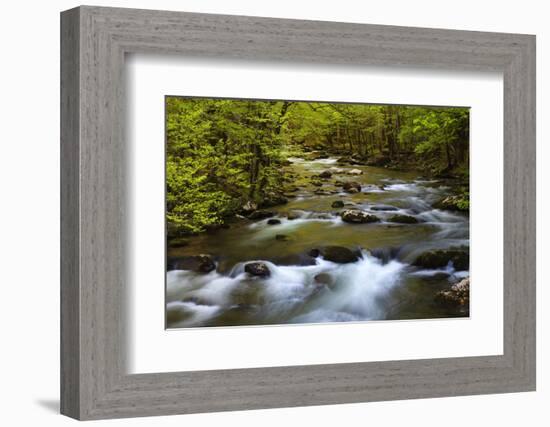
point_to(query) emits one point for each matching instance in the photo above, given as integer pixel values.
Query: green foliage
(442, 134)
(221, 153)
(464, 202)
(193, 203)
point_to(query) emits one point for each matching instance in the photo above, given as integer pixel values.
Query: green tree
(221, 153)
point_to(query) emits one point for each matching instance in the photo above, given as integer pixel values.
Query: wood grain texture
(70, 292)
(95, 383)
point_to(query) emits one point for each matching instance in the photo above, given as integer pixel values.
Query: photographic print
(301, 212)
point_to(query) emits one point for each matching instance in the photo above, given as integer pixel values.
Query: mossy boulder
(403, 219)
(337, 254)
(451, 203)
(338, 204)
(293, 215)
(386, 254)
(273, 199)
(441, 258)
(358, 217)
(261, 214)
(352, 187)
(198, 263)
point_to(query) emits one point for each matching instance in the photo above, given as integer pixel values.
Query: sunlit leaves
(222, 153)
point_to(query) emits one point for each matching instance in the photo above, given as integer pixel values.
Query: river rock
(325, 174)
(261, 214)
(458, 295)
(316, 183)
(314, 253)
(355, 172)
(403, 219)
(293, 215)
(273, 221)
(281, 237)
(273, 199)
(386, 253)
(358, 217)
(335, 170)
(322, 279)
(257, 269)
(440, 258)
(352, 187)
(248, 208)
(198, 263)
(337, 254)
(321, 192)
(338, 204)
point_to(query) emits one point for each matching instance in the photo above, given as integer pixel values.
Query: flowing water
(382, 284)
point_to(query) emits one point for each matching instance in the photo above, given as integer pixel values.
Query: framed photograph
(262, 213)
(290, 212)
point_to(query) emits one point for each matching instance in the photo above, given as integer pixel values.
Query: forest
(226, 157)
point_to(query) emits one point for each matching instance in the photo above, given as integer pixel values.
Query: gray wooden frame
(94, 382)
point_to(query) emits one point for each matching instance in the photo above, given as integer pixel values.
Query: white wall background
(29, 215)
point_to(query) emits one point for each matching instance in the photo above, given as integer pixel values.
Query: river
(381, 285)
